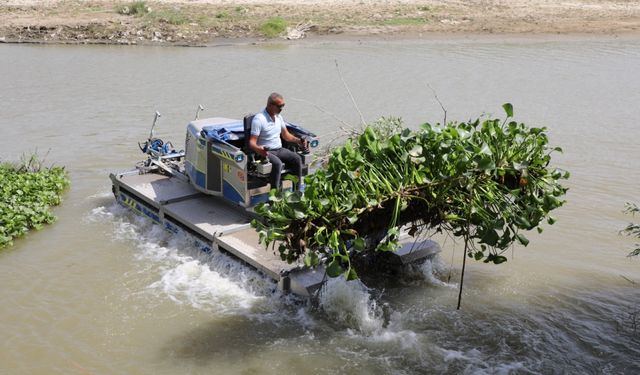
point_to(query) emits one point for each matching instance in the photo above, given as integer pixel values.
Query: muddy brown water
(104, 292)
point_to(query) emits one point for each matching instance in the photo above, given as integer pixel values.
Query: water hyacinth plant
(27, 191)
(485, 181)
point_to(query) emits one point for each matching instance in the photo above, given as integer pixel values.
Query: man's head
(275, 103)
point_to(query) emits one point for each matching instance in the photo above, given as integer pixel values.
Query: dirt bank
(203, 22)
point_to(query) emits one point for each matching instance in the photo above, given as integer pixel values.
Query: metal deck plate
(244, 244)
(208, 216)
(412, 251)
(157, 188)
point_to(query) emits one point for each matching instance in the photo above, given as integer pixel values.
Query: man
(267, 128)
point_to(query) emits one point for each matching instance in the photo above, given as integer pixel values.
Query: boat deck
(226, 226)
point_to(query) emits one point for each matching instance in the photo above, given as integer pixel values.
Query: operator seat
(248, 119)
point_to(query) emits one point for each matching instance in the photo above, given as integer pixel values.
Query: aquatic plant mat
(27, 192)
(485, 181)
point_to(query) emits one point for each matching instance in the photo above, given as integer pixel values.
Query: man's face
(277, 105)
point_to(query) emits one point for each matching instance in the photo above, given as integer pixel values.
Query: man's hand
(253, 145)
(262, 151)
(304, 144)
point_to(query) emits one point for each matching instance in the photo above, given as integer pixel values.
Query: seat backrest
(248, 119)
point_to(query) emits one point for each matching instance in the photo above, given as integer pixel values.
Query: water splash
(220, 284)
(349, 304)
(433, 269)
(212, 282)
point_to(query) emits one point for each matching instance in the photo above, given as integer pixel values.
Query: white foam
(363, 319)
(214, 282)
(102, 213)
(349, 303)
(472, 356)
(100, 195)
(221, 284)
(476, 362)
(192, 282)
(431, 270)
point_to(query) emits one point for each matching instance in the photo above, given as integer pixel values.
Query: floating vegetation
(27, 191)
(483, 181)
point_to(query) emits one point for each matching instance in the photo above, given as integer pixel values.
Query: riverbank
(205, 22)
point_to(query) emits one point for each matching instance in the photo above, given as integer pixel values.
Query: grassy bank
(27, 192)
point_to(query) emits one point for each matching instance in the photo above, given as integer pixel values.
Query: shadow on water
(282, 348)
(225, 340)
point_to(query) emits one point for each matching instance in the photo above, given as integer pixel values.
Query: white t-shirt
(268, 130)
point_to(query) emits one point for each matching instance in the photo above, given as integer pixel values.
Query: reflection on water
(103, 291)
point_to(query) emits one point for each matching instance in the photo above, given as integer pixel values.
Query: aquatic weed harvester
(208, 192)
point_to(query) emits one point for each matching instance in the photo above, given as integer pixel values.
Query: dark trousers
(290, 159)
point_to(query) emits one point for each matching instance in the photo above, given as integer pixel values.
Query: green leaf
(520, 166)
(499, 259)
(334, 269)
(486, 163)
(334, 242)
(273, 196)
(490, 237)
(359, 244)
(311, 259)
(416, 151)
(508, 109)
(351, 274)
(299, 214)
(522, 239)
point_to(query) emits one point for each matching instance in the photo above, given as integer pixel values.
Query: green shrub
(273, 27)
(136, 8)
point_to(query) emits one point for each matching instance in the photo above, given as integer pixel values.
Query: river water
(104, 292)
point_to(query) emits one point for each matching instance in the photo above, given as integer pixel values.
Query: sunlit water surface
(105, 292)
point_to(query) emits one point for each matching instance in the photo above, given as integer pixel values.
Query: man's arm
(291, 138)
(253, 144)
